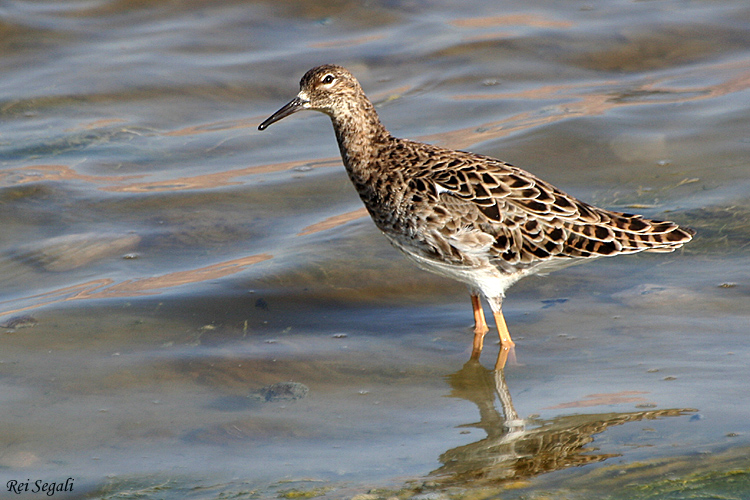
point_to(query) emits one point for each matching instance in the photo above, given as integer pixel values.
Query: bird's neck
(361, 136)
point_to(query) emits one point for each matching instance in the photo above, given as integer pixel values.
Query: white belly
(486, 279)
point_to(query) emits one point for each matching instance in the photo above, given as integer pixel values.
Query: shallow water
(163, 263)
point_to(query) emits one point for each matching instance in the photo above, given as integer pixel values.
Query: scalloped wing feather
(532, 221)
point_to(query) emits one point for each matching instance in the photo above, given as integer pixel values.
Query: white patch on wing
(441, 189)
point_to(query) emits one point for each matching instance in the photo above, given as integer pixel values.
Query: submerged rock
(657, 296)
(71, 251)
(16, 322)
(283, 391)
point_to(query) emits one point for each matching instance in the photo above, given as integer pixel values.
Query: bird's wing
(527, 219)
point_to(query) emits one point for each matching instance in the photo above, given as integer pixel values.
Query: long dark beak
(296, 104)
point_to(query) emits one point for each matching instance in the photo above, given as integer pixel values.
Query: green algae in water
(725, 485)
(137, 489)
(153, 488)
(311, 493)
(717, 476)
(720, 476)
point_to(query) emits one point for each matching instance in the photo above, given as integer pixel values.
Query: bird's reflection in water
(515, 448)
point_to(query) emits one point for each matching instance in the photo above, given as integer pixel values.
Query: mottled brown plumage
(466, 216)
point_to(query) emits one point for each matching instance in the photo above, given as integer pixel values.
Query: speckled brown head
(329, 89)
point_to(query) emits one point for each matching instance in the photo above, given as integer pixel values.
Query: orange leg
(480, 327)
(502, 329)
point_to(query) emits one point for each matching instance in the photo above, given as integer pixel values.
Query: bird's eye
(327, 79)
